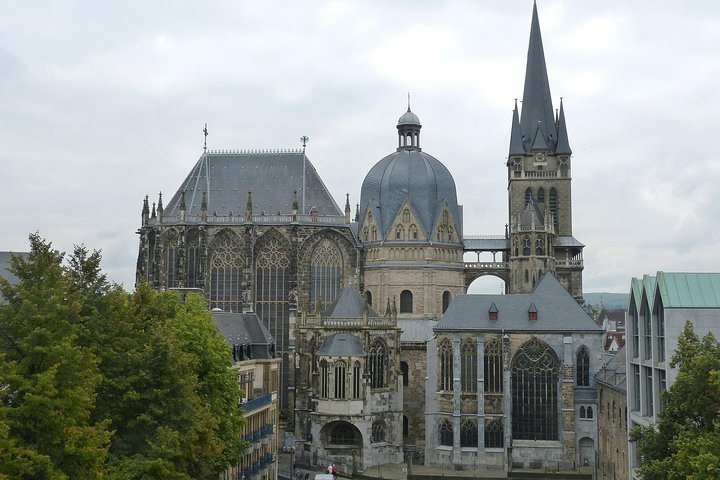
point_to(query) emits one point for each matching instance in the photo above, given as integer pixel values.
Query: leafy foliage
(96, 382)
(685, 444)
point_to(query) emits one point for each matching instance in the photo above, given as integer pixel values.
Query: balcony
(256, 403)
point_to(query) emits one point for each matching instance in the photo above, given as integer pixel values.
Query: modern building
(259, 231)
(660, 306)
(512, 384)
(612, 418)
(258, 370)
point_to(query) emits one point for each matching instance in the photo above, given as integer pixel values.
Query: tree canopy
(685, 444)
(96, 382)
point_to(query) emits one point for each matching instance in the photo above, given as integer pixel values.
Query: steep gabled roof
(342, 344)
(349, 304)
(688, 290)
(244, 329)
(556, 309)
(273, 178)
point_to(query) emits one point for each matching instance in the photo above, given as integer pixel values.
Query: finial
(408, 101)
(205, 132)
(304, 139)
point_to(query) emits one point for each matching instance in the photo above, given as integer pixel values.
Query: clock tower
(539, 184)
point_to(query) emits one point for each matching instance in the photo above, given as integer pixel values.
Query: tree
(685, 444)
(48, 379)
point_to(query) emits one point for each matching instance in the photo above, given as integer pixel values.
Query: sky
(104, 102)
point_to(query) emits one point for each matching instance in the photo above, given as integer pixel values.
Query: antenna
(304, 139)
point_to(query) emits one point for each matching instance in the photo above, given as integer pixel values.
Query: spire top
(537, 103)
(408, 101)
(563, 145)
(205, 132)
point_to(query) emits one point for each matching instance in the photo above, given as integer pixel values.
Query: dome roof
(409, 118)
(415, 176)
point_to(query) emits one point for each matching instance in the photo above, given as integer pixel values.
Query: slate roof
(411, 175)
(567, 241)
(415, 330)
(348, 304)
(616, 315)
(272, 177)
(614, 373)
(342, 344)
(557, 311)
(486, 243)
(242, 329)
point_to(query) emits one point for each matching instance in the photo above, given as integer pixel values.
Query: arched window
(526, 246)
(528, 195)
(582, 412)
(272, 288)
(399, 233)
(324, 379)
(413, 232)
(405, 372)
(541, 195)
(469, 434)
(342, 434)
(493, 434)
(325, 273)
(553, 200)
(450, 234)
(192, 266)
(357, 380)
(171, 267)
(445, 432)
(365, 234)
(368, 297)
(468, 366)
(583, 368)
(226, 264)
(445, 357)
(493, 366)
(535, 377)
(406, 301)
(538, 247)
(340, 378)
(406, 215)
(445, 300)
(406, 426)
(378, 432)
(378, 363)
(374, 234)
(590, 412)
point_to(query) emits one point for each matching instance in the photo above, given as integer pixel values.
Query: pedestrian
(330, 468)
(334, 471)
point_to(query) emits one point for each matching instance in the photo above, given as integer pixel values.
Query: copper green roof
(689, 290)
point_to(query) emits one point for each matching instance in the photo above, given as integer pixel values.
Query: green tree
(685, 444)
(48, 379)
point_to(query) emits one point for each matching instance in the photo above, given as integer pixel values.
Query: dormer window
(493, 312)
(532, 312)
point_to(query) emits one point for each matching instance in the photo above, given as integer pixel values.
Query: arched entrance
(487, 284)
(341, 443)
(587, 451)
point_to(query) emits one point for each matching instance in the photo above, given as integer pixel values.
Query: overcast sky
(104, 102)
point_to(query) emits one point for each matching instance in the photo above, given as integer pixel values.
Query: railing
(256, 403)
(569, 263)
(256, 218)
(487, 265)
(535, 174)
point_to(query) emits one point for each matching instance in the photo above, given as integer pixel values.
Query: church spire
(516, 145)
(563, 146)
(537, 106)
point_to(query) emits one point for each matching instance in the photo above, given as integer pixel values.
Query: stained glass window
(325, 273)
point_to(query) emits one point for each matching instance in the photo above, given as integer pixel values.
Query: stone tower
(539, 184)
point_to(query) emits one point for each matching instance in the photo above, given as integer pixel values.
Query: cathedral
(383, 351)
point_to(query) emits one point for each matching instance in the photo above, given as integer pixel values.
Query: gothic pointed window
(446, 298)
(272, 289)
(342, 433)
(445, 433)
(171, 267)
(365, 234)
(374, 234)
(406, 215)
(324, 379)
(494, 433)
(528, 195)
(340, 378)
(534, 379)
(357, 380)
(368, 297)
(553, 206)
(493, 366)
(326, 269)
(590, 413)
(413, 232)
(541, 195)
(378, 432)
(405, 373)
(538, 247)
(469, 434)
(226, 264)
(582, 366)
(406, 301)
(445, 359)
(468, 366)
(526, 246)
(193, 261)
(378, 364)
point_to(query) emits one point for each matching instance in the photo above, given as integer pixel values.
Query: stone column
(456, 399)
(481, 392)
(568, 401)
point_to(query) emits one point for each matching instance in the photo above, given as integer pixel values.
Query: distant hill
(607, 300)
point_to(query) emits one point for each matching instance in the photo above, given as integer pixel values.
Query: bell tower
(539, 177)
